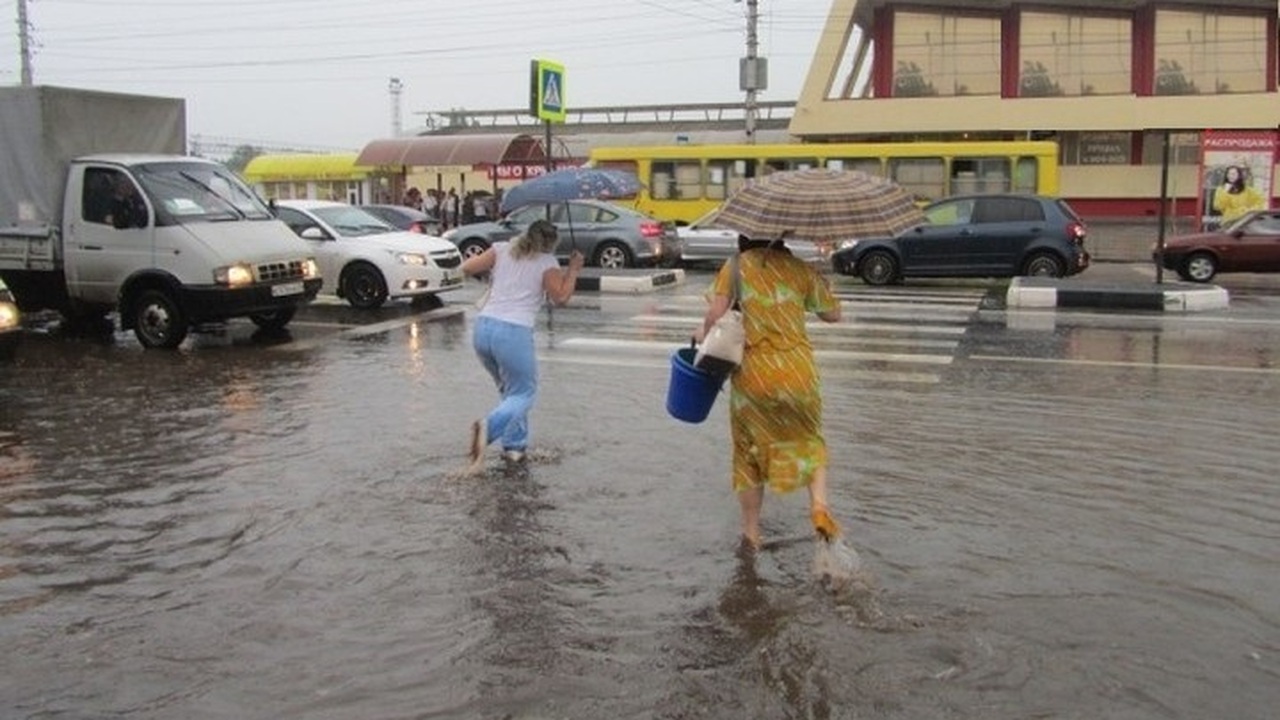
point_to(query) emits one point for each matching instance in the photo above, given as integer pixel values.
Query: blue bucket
(692, 391)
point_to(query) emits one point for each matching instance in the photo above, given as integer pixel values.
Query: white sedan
(364, 260)
(707, 242)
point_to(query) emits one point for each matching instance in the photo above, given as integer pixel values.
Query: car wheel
(275, 320)
(878, 268)
(472, 247)
(612, 255)
(1044, 265)
(1200, 267)
(158, 322)
(363, 286)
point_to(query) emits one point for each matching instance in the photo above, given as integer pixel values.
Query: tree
(241, 157)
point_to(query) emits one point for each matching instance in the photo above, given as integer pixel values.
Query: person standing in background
(450, 210)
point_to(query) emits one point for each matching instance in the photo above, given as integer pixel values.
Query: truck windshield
(187, 192)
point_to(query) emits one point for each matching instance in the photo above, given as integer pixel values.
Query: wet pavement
(1060, 514)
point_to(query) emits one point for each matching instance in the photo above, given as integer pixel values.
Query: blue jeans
(507, 352)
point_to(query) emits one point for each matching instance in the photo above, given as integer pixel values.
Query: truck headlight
(411, 258)
(237, 275)
(9, 316)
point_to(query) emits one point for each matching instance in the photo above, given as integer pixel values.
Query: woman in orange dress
(775, 411)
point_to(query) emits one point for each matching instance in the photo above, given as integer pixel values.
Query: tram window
(739, 171)
(717, 180)
(1025, 175)
(979, 174)
(924, 178)
(662, 181)
(790, 164)
(688, 174)
(870, 166)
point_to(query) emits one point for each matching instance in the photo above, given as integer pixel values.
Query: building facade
(1109, 80)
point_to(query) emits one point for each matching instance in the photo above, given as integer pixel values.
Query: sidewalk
(1129, 239)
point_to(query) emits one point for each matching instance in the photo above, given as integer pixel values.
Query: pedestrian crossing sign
(546, 91)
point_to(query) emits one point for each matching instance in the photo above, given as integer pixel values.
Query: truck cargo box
(42, 128)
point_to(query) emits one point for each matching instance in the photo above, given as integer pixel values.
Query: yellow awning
(298, 167)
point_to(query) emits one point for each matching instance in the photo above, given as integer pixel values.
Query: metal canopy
(444, 150)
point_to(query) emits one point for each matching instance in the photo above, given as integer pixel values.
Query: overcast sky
(316, 72)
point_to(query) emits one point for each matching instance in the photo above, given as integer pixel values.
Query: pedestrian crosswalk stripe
(665, 348)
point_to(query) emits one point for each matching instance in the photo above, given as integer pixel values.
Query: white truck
(101, 210)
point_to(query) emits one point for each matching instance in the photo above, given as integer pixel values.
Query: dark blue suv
(999, 235)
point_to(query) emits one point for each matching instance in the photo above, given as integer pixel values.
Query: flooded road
(1068, 515)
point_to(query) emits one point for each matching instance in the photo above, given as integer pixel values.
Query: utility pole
(752, 71)
(24, 41)
(394, 87)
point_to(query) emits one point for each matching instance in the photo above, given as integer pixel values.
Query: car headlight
(448, 234)
(846, 244)
(9, 316)
(411, 258)
(237, 275)
(310, 270)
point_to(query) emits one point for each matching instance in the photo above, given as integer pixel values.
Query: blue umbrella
(577, 183)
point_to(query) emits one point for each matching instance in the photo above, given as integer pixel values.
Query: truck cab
(177, 241)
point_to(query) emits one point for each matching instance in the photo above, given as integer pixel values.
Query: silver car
(706, 243)
(608, 235)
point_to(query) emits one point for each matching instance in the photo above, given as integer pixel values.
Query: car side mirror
(312, 233)
(1237, 234)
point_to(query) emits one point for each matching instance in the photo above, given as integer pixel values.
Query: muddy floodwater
(1056, 520)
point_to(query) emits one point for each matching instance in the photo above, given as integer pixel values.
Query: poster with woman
(1235, 175)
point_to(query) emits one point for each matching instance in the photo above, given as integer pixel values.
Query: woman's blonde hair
(540, 237)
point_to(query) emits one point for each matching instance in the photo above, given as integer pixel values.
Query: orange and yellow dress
(775, 415)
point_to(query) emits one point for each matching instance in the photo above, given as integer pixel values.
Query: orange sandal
(825, 525)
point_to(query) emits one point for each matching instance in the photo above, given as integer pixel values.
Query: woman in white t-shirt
(525, 274)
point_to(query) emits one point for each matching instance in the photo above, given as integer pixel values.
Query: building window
(1073, 55)
(1203, 52)
(947, 55)
(1095, 148)
(1184, 148)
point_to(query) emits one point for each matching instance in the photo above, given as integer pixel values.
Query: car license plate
(283, 289)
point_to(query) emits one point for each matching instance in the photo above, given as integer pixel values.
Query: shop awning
(452, 150)
(302, 167)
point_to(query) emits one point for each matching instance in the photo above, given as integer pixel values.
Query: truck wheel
(275, 320)
(158, 321)
(363, 286)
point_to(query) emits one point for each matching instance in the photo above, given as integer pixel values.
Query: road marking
(664, 348)
(828, 373)
(1127, 364)
(818, 327)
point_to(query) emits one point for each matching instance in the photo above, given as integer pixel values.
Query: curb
(634, 284)
(1045, 293)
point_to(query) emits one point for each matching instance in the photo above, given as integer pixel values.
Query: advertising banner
(1235, 175)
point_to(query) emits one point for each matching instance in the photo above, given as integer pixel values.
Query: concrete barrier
(1168, 297)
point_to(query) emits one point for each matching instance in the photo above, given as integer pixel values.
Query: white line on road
(665, 348)
(1128, 364)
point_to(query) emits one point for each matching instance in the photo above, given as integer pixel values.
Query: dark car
(997, 235)
(1250, 244)
(405, 218)
(608, 235)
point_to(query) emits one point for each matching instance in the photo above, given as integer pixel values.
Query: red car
(1250, 244)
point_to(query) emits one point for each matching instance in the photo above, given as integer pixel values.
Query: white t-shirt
(516, 295)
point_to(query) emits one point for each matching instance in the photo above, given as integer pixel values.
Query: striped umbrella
(820, 205)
